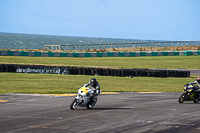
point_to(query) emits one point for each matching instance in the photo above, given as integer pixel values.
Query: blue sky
(172, 20)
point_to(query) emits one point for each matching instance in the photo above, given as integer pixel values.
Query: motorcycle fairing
(84, 90)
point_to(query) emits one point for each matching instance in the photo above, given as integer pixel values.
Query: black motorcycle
(190, 94)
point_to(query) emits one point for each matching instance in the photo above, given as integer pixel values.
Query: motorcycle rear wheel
(181, 98)
(91, 104)
(74, 104)
(196, 100)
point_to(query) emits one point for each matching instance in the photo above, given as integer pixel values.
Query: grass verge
(165, 62)
(59, 84)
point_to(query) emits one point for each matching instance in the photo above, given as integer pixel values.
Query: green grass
(53, 83)
(166, 62)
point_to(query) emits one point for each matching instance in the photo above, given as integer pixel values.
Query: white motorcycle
(83, 98)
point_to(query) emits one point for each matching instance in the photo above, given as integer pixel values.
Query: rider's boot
(93, 98)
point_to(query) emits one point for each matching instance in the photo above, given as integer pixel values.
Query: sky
(171, 20)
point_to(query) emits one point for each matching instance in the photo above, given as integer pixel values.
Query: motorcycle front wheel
(74, 104)
(181, 98)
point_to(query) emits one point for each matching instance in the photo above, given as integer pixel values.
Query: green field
(166, 62)
(53, 83)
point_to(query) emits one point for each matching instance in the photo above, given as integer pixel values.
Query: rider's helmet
(93, 82)
(198, 80)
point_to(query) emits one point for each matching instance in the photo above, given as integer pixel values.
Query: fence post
(105, 46)
(79, 47)
(99, 46)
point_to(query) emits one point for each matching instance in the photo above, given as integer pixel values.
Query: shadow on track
(111, 108)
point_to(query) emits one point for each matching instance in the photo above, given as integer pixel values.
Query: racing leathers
(96, 89)
(197, 91)
(195, 82)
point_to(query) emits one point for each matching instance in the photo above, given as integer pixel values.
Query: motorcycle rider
(196, 82)
(197, 91)
(95, 86)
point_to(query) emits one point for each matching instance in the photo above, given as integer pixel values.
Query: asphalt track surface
(113, 113)
(192, 71)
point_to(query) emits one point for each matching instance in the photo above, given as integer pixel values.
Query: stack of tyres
(1, 68)
(88, 71)
(115, 73)
(139, 73)
(118, 72)
(11, 68)
(163, 73)
(98, 71)
(107, 72)
(8, 68)
(188, 73)
(122, 73)
(92, 71)
(75, 70)
(104, 71)
(152, 73)
(101, 71)
(171, 73)
(129, 72)
(179, 73)
(84, 71)
(111, 72)
(184, 74)
(80, 71)
(71, 70)
(175, 73)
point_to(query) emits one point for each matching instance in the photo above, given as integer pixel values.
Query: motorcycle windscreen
(84, 90)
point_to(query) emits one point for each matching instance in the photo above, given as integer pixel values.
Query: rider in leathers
(196, 82)
(95, 86)
(198, 86)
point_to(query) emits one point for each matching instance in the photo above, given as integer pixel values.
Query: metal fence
(121, 45)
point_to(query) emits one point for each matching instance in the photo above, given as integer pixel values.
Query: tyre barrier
(134, 72)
